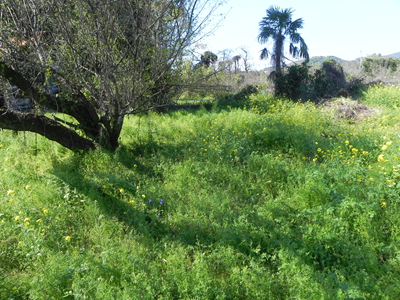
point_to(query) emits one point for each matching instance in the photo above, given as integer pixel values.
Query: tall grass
(273, 200)
(382, 95)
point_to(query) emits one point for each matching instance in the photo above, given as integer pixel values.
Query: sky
(348, 29)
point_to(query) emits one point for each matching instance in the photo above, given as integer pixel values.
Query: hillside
(395, 55)
(318, 60)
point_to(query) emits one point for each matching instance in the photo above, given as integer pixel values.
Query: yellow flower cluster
(386, 146)
(381, 158)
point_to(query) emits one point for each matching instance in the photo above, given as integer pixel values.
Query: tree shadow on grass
(341, 266)
(334, 259)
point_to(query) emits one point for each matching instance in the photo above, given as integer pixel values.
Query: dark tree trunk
(51, 129)
(76, 106)
(278, 55)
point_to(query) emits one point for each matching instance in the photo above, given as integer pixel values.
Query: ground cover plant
(270, 200)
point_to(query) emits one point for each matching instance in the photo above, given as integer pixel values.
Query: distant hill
(318, 60)
(395, 55)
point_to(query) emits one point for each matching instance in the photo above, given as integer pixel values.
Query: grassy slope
(274, 200)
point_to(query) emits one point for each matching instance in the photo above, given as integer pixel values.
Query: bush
(294, 83)
(242, 95)
(326, 82)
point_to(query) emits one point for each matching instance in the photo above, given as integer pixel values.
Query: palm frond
(266, 33)
(264, 53)
(276, 26)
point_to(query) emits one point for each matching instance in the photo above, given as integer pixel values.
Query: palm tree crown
(276, 26)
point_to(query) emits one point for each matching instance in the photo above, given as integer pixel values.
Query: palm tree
(208, 58)
(276, 26)
(235, 60)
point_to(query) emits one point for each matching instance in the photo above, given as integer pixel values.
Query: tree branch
(52, 130)
(81, 109)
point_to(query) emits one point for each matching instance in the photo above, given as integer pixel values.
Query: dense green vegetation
(269, 200)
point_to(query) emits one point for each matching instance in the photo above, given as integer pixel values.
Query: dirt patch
(349, 109)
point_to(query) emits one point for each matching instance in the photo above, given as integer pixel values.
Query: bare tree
(225, 60)
(245, 58)
(107, 59)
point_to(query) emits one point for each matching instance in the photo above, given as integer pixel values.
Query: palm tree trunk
(278, 55)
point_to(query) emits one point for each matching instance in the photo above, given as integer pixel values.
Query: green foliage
(208, 58)
(333, 75)
(382, 95)
(297, 82)
(273, 200)
(293, 83)
(371, 64)
(242, 95)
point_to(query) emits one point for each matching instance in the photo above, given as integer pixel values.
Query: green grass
(273, 200)
(383, 95)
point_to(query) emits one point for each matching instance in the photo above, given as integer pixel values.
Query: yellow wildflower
(381, 158)
(10, 192)
(67, 238)
(121, 191)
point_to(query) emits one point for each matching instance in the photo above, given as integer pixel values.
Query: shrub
(293, 84)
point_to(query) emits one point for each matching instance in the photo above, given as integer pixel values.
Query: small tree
(107, 59)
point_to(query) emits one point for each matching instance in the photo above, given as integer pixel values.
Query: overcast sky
(344, 28)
